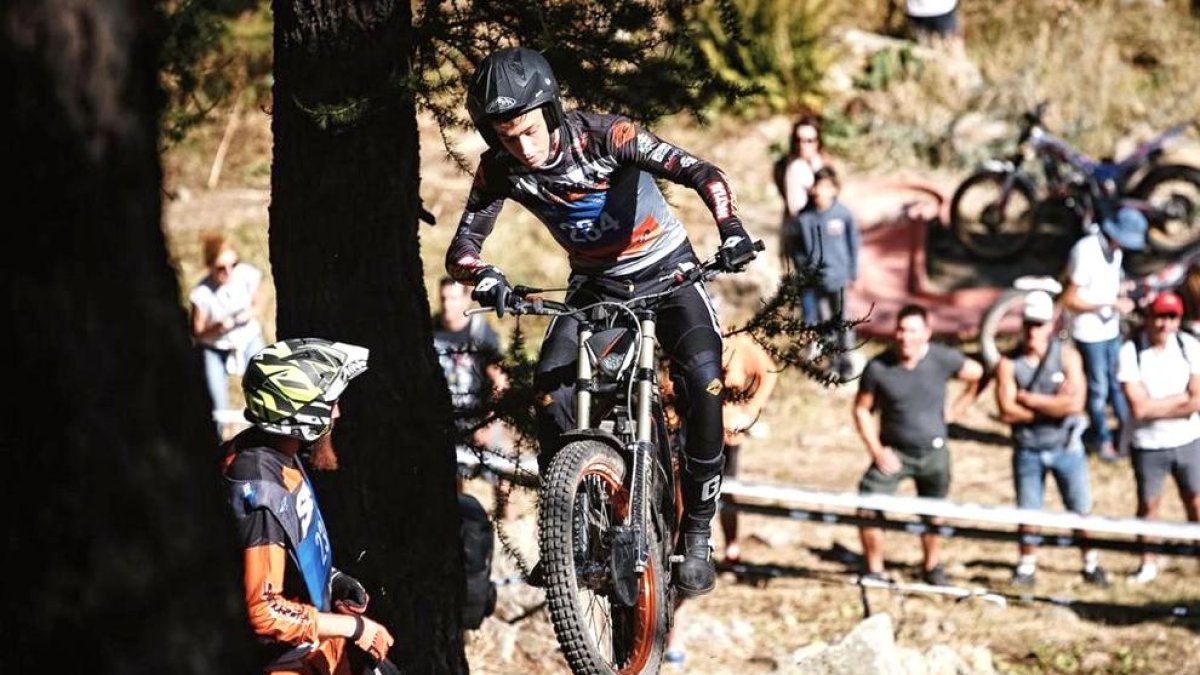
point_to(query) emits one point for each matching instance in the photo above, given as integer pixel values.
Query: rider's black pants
(688, 333)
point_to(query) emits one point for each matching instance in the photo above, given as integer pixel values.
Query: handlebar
(525, 299)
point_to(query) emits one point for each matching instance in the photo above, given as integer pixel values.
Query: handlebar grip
(760, 245)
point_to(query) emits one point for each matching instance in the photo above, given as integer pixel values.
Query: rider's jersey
(598, 197)
(286, 555)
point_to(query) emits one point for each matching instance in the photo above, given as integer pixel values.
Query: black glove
(348, 595)
(492, 289)
(737, 250)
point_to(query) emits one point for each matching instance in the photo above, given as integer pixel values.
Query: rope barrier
(1061, 540)
(750, 571)
(785, 501)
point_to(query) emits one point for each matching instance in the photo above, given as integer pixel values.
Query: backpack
(475, 530)
(1143, 343)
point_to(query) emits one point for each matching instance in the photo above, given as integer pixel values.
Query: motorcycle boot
(696, 573)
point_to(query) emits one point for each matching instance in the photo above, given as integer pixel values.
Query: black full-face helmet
(511, 82)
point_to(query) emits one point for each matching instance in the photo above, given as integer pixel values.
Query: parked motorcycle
(995, 212)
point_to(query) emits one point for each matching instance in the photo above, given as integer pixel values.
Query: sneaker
(696, 575)
(935, 576)
(874, 576)
(675, 656)
(1146, 572)
(1096, 576)
(1024, 577)
(1108, 453)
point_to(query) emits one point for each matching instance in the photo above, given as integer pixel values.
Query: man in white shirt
(1160, 373)
(1093, 293)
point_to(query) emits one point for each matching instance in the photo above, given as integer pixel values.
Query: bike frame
(639, 447)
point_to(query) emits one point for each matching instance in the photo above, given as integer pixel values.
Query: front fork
(629, 547)
(643, 445)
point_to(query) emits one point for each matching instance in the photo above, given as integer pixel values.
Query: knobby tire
(1007, 236)
(620, 640)
(1178, 187)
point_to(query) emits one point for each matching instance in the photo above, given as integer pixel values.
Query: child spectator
(827, 237)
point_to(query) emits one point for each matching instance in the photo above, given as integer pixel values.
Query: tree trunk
(120, 551)
(345, 257)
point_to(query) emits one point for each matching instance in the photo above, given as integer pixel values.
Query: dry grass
(1111, 68)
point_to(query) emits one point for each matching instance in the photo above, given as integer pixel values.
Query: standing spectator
(469, 352)
(309, 616)
(225, 306)
(1093, 293)
(827, 238)
(1040, 391)
(934, 21)
(749, 377)
(1160, 372)
(907, 385)
(795, 172)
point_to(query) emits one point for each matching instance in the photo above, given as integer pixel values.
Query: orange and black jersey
(597, 197)
(286, 551)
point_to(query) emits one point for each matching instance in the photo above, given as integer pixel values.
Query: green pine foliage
(214, 49)
(633, 57)
(774, 48)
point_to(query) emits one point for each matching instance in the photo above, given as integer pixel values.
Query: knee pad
(698, 387)
(698, 378)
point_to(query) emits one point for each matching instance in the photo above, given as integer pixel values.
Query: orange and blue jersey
(286, 554)
(598, 198)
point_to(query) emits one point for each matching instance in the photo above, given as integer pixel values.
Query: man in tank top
(1041, 391)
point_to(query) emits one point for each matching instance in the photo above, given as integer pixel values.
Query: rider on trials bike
(590, 179)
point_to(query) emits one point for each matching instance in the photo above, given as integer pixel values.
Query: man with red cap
(1159, 369)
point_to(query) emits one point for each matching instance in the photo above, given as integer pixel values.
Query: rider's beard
(323, 457)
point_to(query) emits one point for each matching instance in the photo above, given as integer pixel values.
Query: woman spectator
(794, 176)
(794, 172)
(226, 304)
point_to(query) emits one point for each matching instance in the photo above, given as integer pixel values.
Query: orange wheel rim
(645, 611)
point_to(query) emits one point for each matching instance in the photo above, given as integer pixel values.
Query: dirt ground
(804, 439)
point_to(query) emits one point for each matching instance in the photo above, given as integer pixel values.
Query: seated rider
(309, 617)
(590, 178)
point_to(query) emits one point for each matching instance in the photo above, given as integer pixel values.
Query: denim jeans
(821, 305)
(1070, 471)
(1100, 366)
(217, 377)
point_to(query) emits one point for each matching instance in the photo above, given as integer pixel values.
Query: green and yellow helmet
(291, 386)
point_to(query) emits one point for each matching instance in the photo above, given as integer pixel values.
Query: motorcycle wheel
(1173, 192)
(583, 497)
(997, 325)
(985, 226)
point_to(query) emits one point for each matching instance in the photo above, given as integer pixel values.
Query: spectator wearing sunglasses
(1159, 369)
(795, 174)
(225, 306)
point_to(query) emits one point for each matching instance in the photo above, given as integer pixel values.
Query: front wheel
(1172, 196)
(992, 214)
(584, 496)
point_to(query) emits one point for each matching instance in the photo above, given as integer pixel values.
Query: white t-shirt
(1163, 373)
(225, 301)
(798, 178)
(1099, 280)
(924, 8)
